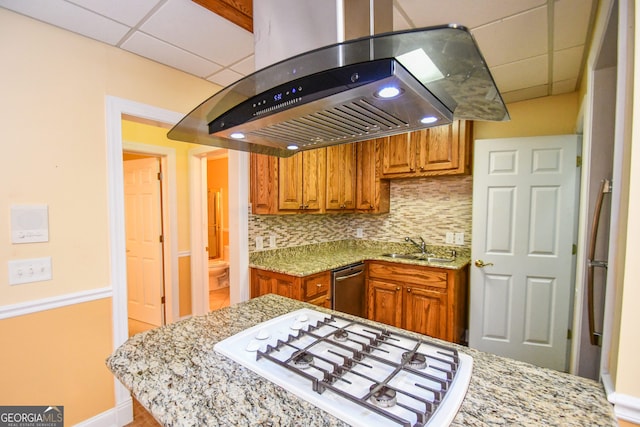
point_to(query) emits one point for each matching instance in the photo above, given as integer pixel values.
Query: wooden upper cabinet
(441, 150)
(264, 184)
(399, 154)
(372, 193)
(341, 177)
(301, 181)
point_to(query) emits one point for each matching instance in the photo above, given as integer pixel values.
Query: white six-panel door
(143, 226)
(524, 195)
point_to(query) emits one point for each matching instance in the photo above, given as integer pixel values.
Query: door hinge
(161, 238)
(579, 161)
(569, 334)
(574, 249)
(159, 176)
(162, 300)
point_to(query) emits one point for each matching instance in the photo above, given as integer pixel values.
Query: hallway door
(143, 230)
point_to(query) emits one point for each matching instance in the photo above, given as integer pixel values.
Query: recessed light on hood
(329, 96)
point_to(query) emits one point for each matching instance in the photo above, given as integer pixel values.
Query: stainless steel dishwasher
(348, 289)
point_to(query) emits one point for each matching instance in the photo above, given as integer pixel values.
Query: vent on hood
(334, 95)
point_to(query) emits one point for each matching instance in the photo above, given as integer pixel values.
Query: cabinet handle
(370, 206)
(301, 207)
(408, 289)
(397, 289)
(319, 285)
(328, 298)
(421, 168)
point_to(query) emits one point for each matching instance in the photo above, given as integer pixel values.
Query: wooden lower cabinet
(314, 289)
(430, 301)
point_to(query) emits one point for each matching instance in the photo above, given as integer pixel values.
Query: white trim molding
(120, 415)
(625, 407)
(29, 307)
(114, 109)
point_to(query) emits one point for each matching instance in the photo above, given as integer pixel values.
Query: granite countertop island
(315, 258)
(174, 372)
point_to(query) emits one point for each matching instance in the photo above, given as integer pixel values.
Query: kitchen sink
(419, 256)
(402, 256)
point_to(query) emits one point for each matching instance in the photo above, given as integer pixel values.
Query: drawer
(410, 274)
(318, 284)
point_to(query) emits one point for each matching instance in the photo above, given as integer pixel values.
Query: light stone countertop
(174, 372)
(315, 258)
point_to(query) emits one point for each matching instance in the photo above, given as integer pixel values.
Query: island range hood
(361, 89)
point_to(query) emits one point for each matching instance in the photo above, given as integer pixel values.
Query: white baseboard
(115, 417)
(625, 407)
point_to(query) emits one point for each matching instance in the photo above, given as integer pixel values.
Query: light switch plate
(29, 270)
(259, 242)
(272, 241)
(359, 233)
(449, 237)
(459, 238)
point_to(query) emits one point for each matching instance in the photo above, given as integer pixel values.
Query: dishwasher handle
(340, 278)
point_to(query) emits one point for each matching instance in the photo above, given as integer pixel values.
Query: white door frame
(238, 225)
(114, 109)
(169, 211)
(198, 214)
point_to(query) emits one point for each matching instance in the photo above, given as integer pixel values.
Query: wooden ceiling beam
(240, 12)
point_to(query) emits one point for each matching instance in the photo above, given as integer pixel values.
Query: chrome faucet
(422, 245)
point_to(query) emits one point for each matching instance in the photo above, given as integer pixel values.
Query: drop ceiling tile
(514, 38)
(470, 13)
(125, 11)
(225, 77)
(522, 74)
(564, 86)
(70, 17)
(567, 63)
(525, 94)
(159, 51)
(189, 26)
(571, 22)
(245, 67)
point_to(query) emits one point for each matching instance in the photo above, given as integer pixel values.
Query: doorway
(144, 249)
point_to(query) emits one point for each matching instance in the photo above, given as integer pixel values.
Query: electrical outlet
(449, 237)
(459, 238)
(272, 241)
(359, 233)
(259, 242)
(29, 270)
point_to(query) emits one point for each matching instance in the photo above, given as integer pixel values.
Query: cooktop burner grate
(345, 366)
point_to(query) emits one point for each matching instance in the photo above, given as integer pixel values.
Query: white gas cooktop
(364, 375)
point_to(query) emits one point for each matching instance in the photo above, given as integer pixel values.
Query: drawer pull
(319, 285)
(398, 288)
(408, 289)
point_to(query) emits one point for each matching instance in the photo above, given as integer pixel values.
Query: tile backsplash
(427, 207)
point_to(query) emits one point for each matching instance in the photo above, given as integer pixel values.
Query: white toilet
(219, 271)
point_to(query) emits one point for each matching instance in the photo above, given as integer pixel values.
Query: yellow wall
(53, 85)
(551, 115)
(55, 357)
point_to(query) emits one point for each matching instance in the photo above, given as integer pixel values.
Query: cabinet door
(286, 286)
(341, 176)
(313, 178)
(385, 303)
(264, 184)
(439, 148)
(398, 154)
(290, 182)
(261, 283)
(425, 312)
(372, 193)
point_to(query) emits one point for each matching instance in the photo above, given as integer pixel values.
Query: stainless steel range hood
(332, 95)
